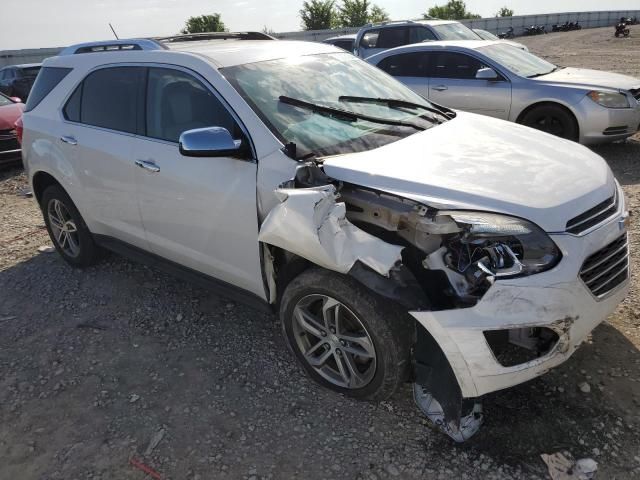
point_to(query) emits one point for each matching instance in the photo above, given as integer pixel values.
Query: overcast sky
(52, 23)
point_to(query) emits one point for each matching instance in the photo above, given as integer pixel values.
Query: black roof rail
(191, 37)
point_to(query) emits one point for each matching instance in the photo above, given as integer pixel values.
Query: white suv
(397, 239)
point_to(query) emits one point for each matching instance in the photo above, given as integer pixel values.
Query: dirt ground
(98, 365)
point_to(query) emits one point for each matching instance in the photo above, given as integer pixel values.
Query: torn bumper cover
(557, 300)
(310, 223)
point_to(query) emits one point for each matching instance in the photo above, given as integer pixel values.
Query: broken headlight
(500, 246)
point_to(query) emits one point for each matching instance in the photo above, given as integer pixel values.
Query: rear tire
(365, 354)
(68, 231)
(552, 119)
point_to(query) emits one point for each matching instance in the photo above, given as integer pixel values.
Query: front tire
(552, 119)
(346, 338)
(68, 232)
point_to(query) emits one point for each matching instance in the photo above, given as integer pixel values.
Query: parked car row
(474, 71)
(10, 112)
(396, 238)
(17, 80)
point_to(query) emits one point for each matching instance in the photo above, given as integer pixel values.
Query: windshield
(30, 71)
(455, 31)
(4, 101)
(486, 35)
(518, 61)
(278, 89)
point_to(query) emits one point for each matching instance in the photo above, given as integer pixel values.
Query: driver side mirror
(486, 74)
(209, 142)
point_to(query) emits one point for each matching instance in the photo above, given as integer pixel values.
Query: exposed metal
(64, 228)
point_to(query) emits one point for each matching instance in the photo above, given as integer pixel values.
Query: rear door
(410, 69)
(102, 118)
(199, 212)
(452, 83)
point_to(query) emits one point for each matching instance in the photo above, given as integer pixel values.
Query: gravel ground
(120, 361)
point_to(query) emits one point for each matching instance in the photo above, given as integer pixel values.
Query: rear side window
(177, 102)
(29, 71)
(344, 44)
(109, 99)
(47, 80)
(405, 65)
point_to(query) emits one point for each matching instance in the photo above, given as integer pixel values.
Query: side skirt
(220, 287)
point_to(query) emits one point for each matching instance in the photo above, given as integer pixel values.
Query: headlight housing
(501, 246)
(610, 99)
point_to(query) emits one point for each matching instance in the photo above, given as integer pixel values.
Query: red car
(10, 112)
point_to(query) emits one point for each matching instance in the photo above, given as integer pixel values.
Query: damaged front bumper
(557, 300)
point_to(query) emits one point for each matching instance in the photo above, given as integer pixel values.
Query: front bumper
(599, 124)
(557, 299)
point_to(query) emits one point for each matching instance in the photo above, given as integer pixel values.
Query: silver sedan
(491, 78)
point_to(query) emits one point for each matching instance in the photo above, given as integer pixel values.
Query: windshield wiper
(345, 114)
(393, 103)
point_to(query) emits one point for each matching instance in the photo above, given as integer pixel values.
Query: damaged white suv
(399, 240)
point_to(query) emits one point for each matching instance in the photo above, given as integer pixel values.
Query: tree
(353, 13)
(504, 12)
(453, 10)
(204, 23)
(378, 14)
(269, 31)
(318, 14)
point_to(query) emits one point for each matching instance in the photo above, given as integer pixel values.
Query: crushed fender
(310, 223)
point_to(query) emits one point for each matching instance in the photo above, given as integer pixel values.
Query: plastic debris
(46, 249)
(468, 425)
(146, 469)
(155, 440)
(562, 466)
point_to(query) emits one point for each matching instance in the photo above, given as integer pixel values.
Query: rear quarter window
(46, 81)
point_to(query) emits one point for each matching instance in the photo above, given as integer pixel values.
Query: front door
(453, 84)
(199, 212)
(410, 69)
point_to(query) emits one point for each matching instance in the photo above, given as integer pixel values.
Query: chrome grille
(607, 268)
(593, 216)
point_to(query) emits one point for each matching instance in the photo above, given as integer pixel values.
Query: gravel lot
(97, 364)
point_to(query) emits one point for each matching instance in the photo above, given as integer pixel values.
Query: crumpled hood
(481, 163)
(9, 114)
(590, 78)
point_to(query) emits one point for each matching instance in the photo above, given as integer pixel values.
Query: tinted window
(72, 108)
(344, 44)
(393, 37)
(405, 65)
(177, 102)
(454, 65)
(47, 80)
(29, 71)
(109, 98)
(420, 34)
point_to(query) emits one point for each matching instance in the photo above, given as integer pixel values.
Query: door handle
(69, 140)
(148, 165)
(440, 88)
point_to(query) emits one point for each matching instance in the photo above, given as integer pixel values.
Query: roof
(229, 54)
(25, 65)
(395, 23)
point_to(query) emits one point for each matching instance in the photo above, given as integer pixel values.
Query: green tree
(318, 14)
(353, 13)
(204, 23)
(453, 10)
(504, 12)
(378, 14)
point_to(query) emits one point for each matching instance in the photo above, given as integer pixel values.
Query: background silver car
(491, 78)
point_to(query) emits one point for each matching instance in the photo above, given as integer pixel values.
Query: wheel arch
(40, 181)
(549, 103)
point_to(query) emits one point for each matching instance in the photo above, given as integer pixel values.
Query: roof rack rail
(113, 46)
(191, 37)
(389, 22)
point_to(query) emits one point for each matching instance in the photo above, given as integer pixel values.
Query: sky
(56, 23)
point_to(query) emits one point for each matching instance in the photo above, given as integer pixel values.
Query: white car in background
(498, 80)
(396, 239)
(485, 35)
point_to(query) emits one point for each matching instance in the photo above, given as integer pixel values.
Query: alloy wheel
(333, 341)
(63, 227)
